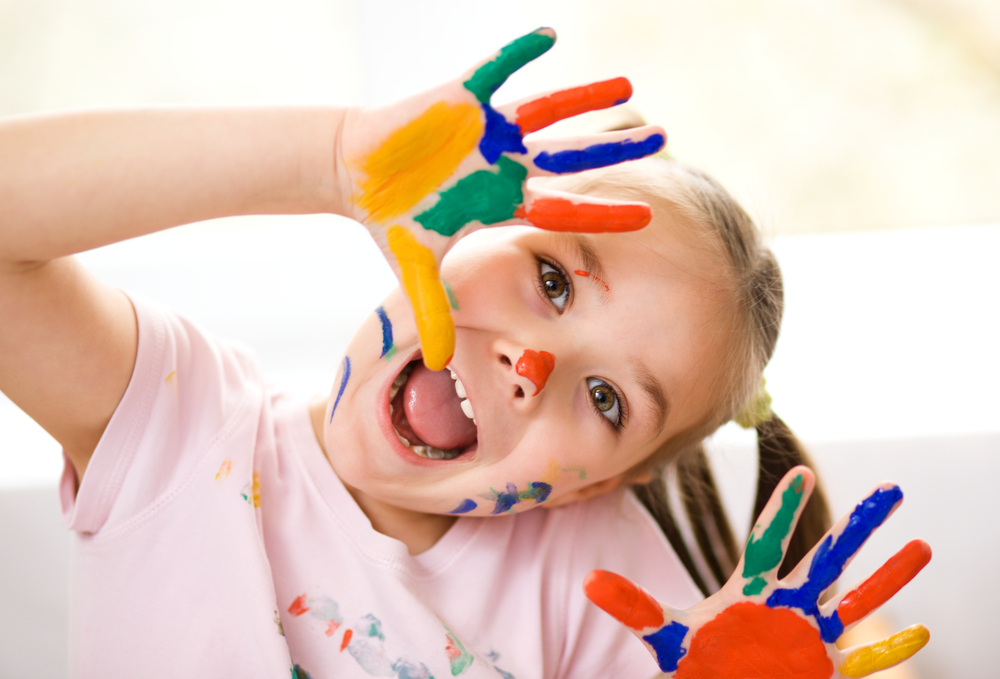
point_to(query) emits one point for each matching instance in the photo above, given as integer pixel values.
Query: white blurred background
(864, 137)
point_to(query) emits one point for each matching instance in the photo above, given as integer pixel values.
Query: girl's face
(579, 355)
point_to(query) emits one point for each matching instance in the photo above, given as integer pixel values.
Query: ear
(587, 492)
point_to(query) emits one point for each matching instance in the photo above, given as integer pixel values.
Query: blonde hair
(718, 224)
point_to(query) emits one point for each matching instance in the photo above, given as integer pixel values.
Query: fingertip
(623, 600)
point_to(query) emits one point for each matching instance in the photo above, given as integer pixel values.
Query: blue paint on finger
(343, 383)
(832, 556)
(386, 331)
(667, 643)
(598, 155)
(466, 505)
(499, 137)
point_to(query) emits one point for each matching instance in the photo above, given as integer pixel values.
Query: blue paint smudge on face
(500, 136)
(343, 383)
(505, 500)
(537, 491)
(832, 555)
(667, 643)
(386, 331)
(598, 155)
(467, 505)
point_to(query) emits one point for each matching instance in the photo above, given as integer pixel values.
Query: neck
(417, 530)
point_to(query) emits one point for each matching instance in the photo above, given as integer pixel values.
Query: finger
(540, 112)
(636, 608)
(884, 654)
(589, 153)
(827, 560)
(884, 583)
(766, 546)
(568, 212)
(623, 600)
(488, 77)
(430, 302)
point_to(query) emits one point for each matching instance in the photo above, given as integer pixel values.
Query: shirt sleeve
(187, 389)
(615, 533)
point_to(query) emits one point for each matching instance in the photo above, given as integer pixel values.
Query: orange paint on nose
(536, 366)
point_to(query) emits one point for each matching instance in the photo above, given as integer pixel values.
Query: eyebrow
(654, 390)
(591, 263)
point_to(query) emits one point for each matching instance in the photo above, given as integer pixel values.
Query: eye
(606, 402)
(554, 284)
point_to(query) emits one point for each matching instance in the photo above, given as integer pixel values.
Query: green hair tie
(757, 410)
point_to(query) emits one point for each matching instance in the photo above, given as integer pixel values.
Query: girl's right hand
(760, 626)
(427, 171)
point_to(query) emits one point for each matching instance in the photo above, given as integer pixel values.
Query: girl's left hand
(427, 171)
(760, 626)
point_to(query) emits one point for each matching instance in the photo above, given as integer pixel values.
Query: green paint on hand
(765, 553)
(452, 300)
(392, 352)
(485, 196)
(754, 587)
(490, 76)
(583, 472)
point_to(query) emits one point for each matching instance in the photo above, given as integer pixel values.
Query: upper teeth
(460, 390)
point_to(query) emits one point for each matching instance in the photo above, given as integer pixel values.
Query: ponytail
(693, 482)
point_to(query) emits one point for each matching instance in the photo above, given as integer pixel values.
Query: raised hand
(429, 170)
(760, 626)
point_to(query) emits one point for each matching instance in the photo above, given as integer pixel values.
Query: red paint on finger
(884, 583)
(536, 366)
(625, 601)
(544, 111)
(759, 641)
(348, 633)
(561, 214)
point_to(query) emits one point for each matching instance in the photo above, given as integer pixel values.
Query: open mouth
(431, 413)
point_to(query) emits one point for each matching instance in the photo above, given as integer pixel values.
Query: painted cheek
(536, 366)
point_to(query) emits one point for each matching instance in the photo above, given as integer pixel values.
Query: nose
(526, 369)
(536, 366)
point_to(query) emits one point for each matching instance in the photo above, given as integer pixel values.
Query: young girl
(225, 529)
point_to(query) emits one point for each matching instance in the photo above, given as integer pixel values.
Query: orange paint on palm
(417, 158)
(348, 633)
(562, 214)
(885, 582)
(544, 111)
(759, 641)
(628, 603)
(536, 366)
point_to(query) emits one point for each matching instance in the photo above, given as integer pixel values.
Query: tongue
(434, 410)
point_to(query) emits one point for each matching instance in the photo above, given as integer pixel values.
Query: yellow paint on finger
(417, 158)
(430, 302)
(886, 653)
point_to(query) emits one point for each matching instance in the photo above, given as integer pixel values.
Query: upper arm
(67, 350)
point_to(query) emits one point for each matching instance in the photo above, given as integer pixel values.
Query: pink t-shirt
(213, 538)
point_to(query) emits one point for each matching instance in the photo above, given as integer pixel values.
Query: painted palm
(433, 168)
(760, 626)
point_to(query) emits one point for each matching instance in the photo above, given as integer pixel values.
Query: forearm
(71, 182)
